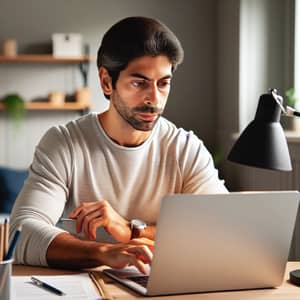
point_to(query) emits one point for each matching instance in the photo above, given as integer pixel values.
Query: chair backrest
(11, 183)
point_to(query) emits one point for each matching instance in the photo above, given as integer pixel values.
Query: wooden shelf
(43, 58)
(83, 63)
(49, 106)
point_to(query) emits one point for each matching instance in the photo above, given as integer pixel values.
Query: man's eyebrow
(169, 76)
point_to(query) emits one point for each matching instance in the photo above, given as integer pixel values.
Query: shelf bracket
(84, 69)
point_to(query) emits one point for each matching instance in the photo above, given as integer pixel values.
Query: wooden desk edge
(118, 292)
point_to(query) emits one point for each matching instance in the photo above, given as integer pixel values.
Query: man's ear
(105, 81)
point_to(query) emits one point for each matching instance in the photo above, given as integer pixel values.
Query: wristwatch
(136, 227)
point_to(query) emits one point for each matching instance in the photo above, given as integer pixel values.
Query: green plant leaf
(218, 157)
(290, 97)
(15, 107)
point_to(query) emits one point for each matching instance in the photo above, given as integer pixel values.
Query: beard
(131, 114)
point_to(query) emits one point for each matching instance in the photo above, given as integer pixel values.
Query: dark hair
(135, 37)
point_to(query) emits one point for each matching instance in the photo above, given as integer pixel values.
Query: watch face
(138, 224)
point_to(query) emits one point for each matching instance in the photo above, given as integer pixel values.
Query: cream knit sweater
(79, 162)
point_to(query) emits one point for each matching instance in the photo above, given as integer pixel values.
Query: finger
(79, 221)
(142, 252)
(143, 241)
(86, 223)
(93, 225)
(75, 212)
(83, 214)
(84, 206)
(134, 261)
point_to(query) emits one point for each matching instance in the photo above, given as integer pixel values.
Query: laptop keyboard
(142, 280)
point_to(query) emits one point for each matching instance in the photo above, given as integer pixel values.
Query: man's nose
(152, 96)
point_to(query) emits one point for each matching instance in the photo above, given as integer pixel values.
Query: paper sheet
(76, 287)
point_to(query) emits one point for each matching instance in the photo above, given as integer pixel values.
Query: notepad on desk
(78, 286)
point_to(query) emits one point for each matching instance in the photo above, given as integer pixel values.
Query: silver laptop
(217, 242)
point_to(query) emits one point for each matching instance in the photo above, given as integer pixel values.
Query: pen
(46, 286)
(13, 244)
(67, 220)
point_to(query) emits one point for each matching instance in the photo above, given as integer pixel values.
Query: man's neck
(120, 131)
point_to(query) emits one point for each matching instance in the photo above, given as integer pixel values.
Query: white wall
(255, 52)
(265, 52)
(297, 53)
(193, 97)
(227, 80)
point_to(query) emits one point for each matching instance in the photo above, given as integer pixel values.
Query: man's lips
(147, 117)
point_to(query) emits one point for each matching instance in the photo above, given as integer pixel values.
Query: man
(106, 170)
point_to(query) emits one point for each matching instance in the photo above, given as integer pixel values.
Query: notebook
(218, 242)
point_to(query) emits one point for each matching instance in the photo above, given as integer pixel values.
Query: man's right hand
(138, 253)
(67, 251)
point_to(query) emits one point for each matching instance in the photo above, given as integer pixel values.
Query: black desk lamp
(263, 144)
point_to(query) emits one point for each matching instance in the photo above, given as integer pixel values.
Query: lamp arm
(288, 111)
(291, 112)
(278, 99)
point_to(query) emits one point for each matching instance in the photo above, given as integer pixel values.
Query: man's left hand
(91, 215)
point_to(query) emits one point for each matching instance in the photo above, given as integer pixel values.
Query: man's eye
(138, 83)
(164, 84)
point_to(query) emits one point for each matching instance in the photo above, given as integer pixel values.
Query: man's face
(142, 90)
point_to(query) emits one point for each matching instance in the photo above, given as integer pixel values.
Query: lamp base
(295, 277)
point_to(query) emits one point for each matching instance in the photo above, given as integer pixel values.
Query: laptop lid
(222, 242)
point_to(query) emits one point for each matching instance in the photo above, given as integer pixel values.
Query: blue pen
(13, 244)
(47, 286)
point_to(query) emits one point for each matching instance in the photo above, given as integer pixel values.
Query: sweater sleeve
(42, 200)
(199, 173)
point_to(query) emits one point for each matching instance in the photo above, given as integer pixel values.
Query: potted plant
(15, 107)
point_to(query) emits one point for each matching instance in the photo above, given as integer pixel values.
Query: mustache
(148, 109)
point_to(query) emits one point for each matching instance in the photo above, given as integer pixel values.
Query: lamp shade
(263, 144)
